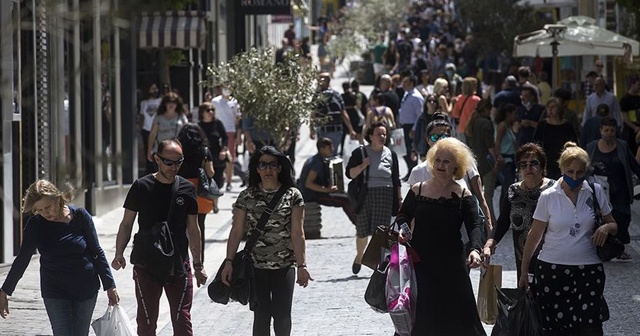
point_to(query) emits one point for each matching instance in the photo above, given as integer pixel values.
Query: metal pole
(117, 90)
(6, 111)
(97, 96)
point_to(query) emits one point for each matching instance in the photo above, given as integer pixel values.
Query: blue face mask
(571, 182)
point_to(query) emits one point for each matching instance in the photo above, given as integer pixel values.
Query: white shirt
(420, 173)
(569, 228)
(148, 109)
(227, 111)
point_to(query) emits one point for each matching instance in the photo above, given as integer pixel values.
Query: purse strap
(366, 171)
(596, 205)
(259, 229)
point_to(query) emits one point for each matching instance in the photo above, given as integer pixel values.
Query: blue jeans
(70, 317)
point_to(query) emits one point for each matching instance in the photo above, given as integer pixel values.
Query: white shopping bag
(114, 322)
(401, 290)
(397, 142)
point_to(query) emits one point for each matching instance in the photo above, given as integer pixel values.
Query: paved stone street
(332, 305)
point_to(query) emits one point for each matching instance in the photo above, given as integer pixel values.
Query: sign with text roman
(265, 7)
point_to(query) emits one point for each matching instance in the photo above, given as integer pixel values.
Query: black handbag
(612, 247)
(357, 188)
(518, 313)
(153, 248)
(375, 294)
(207, 187)
(243, 287)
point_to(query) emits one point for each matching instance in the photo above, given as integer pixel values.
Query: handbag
(612, 247)
(243, 287)
(357, 188)
(153, 248)
(518, 313)
(381, 240)
(375, 294)
(490, 279)
(207, 187)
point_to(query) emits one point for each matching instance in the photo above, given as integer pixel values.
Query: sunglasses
(533, 164)
(211, 110)
(431, 101)
(170, 163)
(436, 137)
(273, 165)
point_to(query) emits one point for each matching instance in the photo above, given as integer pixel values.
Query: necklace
(525, 187)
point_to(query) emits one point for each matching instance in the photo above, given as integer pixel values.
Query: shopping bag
(517, 314)
(401, 290)
(490, 279)
(397, 142)
(375, 294)
(114, 322)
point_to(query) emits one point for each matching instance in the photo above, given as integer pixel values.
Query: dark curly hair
(286, 172)
(532, 149)
(166, 99)
(193, 139)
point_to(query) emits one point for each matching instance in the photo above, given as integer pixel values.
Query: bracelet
(228, 260)
(302, 266)
(198, 266)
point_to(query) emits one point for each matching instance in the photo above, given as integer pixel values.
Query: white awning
(175, 29)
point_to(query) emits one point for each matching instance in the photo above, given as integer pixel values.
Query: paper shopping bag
(490, 278)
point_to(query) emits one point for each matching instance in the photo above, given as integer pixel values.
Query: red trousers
(179, 291)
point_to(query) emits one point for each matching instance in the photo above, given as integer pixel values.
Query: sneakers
(228, 186)
(624, 257)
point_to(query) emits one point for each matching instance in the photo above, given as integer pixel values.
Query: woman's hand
(487, 252)
(114, 298)
(524, 281)
(600, 235)
(474, 260)
(4, 304)
(226, 273)
(303, 277)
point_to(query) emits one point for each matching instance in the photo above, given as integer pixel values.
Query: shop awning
(175, 29)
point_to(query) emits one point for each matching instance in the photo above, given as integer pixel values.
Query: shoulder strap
(248, 246)
(366, 171)
(420, 188)
(174, 194)
(596, 204)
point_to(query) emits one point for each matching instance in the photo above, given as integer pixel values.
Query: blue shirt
(314, 163)
(511, 96)
(410, 107)
(71, 259)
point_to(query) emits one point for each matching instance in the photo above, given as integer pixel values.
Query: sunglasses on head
(436, 137)
(268, 165)
(534, 164)
(170, 163)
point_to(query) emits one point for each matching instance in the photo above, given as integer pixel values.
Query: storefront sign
(265, 7)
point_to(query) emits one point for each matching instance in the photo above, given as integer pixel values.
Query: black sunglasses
(534, 164)
(170, 163)
(268, 165)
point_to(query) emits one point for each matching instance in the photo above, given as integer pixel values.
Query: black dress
(446, 303)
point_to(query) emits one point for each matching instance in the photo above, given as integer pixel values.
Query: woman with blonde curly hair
(72, 263)
(440, 206)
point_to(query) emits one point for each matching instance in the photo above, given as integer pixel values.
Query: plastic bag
(397, 142)
(517, 314)
(114, 322)
(401, 290)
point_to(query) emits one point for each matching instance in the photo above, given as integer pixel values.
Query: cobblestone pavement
(332, 305)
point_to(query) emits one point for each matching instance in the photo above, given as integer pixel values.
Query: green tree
(279, 97)
(632, 20)
(495, 23)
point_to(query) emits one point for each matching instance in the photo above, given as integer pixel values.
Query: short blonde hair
(462, 154)
(438, 84)
(570, 153)
(41, 189)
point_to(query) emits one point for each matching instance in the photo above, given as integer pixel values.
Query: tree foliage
(632, 21)
(278, 97)
(364, 22)
(495, 23)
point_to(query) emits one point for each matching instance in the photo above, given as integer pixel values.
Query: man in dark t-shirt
(151, 198)
(315, 183)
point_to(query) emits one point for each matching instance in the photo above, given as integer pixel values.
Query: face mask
(571, 182)
(226, 92)
(526, 105)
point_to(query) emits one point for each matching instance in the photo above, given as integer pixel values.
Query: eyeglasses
(431, 101)
(599, 65)
(211, 110)
(170, 163)
(533, 164)
(436, 137)
(273, 165)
